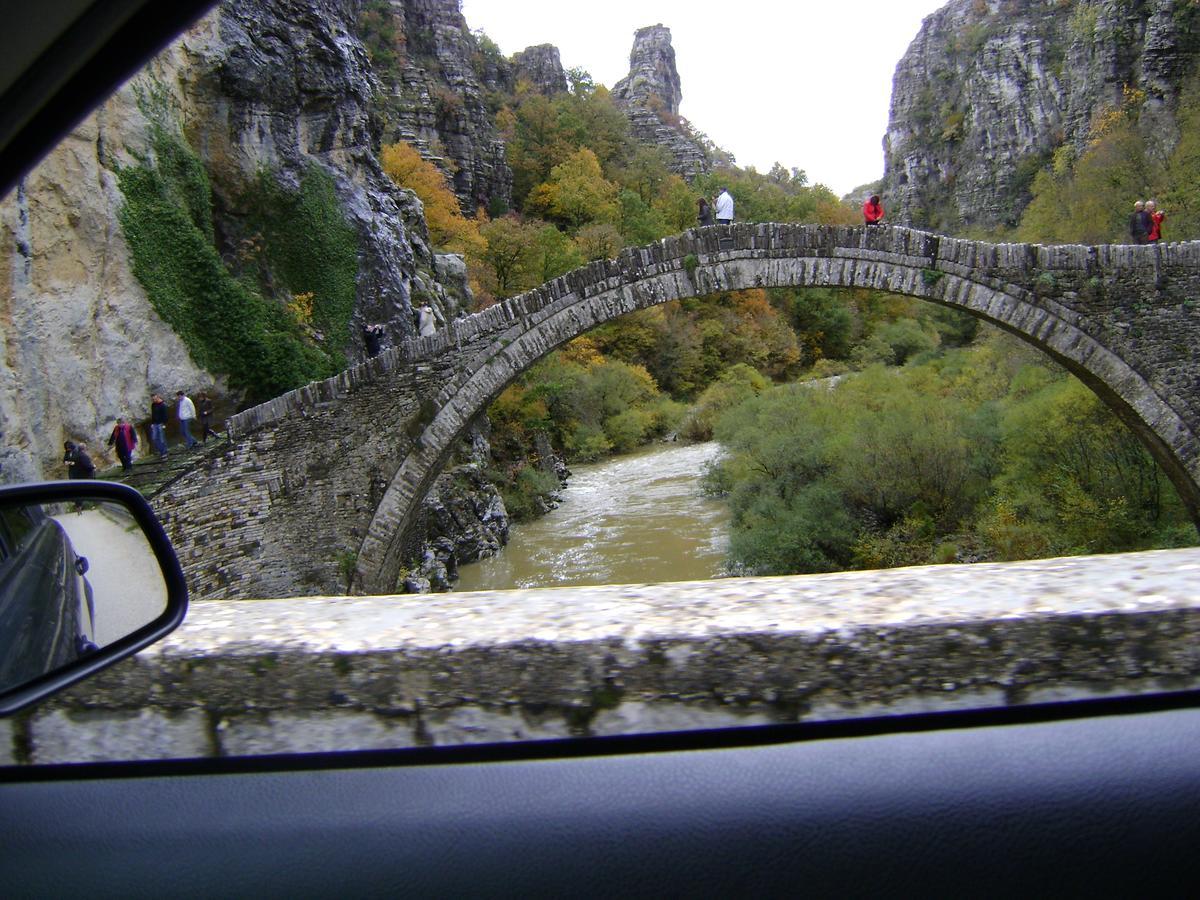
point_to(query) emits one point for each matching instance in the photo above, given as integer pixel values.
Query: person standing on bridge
(206, 416)
(186, 410)
(124, 439)
(158, 425)
(705, 214)
(1156, 220)
(426, 322)
(724, 207)
(873, 210)
(1139, 223)
(372, 339)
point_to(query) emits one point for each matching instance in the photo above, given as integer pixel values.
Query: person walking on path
(158, 425)
(1139, 223)
(873, 210)
(705, 214)
(724, 207)
(1156, 220)
(79, 464)
(124, 438)
(206, 417)
(186, 410)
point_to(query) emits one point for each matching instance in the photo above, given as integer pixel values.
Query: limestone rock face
(649, 96)
(286, 84)
(465, 520)
(652, 71)
(82, 344)
(275, 85)
(436, 99)
(989, 88)
(542, 67)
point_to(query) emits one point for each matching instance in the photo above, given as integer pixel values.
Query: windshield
(486, 397)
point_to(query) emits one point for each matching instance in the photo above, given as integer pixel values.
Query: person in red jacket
(125, 439)
(873, 210)
(1156, 220)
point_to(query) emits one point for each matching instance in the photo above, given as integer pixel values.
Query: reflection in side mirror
(87, 577)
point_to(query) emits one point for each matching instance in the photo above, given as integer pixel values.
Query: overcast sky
(805, 83)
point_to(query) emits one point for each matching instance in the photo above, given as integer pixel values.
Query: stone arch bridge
(317, 488)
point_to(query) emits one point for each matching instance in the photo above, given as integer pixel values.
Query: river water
(637, 518)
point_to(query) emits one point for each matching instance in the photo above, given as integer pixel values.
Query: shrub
(526, 493)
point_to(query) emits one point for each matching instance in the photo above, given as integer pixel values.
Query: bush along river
(636, 518)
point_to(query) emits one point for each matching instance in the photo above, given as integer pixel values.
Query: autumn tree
(676, 204)
(448, 227)
(511, 252)
(577, 192)
(598, 241)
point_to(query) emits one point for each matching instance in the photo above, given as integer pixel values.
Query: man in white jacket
(186, 411)
(724, 207)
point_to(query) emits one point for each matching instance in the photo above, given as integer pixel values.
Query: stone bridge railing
(319, 489)
(248, 677)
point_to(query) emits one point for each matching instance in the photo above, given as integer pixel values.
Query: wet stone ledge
(314, 674)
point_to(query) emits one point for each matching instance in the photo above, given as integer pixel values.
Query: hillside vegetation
(1086, 196)
(583, 189)
(944, 441)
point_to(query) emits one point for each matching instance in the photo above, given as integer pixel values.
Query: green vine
(310, 248)
(228, 325)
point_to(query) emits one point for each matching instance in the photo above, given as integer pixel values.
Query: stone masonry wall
(319, 485)
(317, 674)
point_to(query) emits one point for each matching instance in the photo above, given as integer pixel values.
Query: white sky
(803, 83)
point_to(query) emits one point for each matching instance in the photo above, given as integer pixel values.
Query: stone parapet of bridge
(320, 486)
(351, 673)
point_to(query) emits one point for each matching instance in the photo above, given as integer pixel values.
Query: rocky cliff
(82, 343)
(649, 96)
(434, 77)
(990, 88)
(542, 67)
(272, 89)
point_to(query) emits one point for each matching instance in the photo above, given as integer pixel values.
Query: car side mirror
(87, 578)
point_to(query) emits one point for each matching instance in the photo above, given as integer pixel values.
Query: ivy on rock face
(229, 327)
(311, 249)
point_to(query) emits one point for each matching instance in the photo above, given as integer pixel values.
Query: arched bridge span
(335, 472)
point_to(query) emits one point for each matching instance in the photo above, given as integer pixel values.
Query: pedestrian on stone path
(186, 410)
(1139, 223)
(705, 213)
(206, 417)
(873, 210)
(1156, 220)
(158, 425)
(79, 464)
(124, 439)
(724, 207)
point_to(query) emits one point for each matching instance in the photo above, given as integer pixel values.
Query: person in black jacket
(79, 464)
(158, 425)
(1140, 223)
(206, 416)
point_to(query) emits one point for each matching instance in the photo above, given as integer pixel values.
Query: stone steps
(151, 473)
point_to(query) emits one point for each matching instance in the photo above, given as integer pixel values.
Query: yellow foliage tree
(581, 193)
(448, 227)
